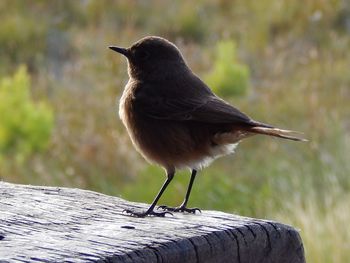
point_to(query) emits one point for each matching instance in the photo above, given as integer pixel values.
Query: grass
(298, 59)
(325, 236)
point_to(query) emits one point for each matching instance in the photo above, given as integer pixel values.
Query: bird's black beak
(121, 50)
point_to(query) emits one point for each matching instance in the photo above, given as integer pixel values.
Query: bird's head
(152, 58)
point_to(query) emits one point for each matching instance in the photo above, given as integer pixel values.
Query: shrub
(228, 77)
(25, 126)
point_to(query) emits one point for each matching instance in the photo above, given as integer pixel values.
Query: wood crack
(195, 249)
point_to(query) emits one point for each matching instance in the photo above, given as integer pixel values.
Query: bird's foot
(181, 209)
(146, 213)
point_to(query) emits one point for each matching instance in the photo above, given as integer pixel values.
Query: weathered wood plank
(48, 224)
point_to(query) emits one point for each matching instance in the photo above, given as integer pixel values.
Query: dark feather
(189, 99)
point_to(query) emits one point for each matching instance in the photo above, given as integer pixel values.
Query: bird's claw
(181, 209)
(146, 213)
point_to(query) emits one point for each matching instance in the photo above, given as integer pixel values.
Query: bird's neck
(159, 72)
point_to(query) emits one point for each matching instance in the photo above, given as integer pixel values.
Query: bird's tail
(271, 131)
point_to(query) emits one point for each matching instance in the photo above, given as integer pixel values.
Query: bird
(175, 120)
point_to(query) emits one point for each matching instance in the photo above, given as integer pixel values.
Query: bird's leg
(150, 211)
(182, 207)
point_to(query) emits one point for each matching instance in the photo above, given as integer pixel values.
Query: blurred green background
(283, 62)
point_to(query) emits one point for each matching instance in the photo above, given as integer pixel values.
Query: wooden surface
(48, 224)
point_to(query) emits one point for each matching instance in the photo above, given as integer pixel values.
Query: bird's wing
(181, 104)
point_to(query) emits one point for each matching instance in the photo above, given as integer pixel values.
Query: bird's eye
(142, 54)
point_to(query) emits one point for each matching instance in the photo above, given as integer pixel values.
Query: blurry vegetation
(228, 77)
(190, 22)
(25, 126)
(17, 35)
(294, 57)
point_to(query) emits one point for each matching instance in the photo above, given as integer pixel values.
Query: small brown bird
(174, 119)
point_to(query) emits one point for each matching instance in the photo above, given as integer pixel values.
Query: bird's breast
(126, 107)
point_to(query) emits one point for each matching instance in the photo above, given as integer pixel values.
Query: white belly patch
(215, 153)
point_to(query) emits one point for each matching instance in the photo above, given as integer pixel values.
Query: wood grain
(49, 224)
